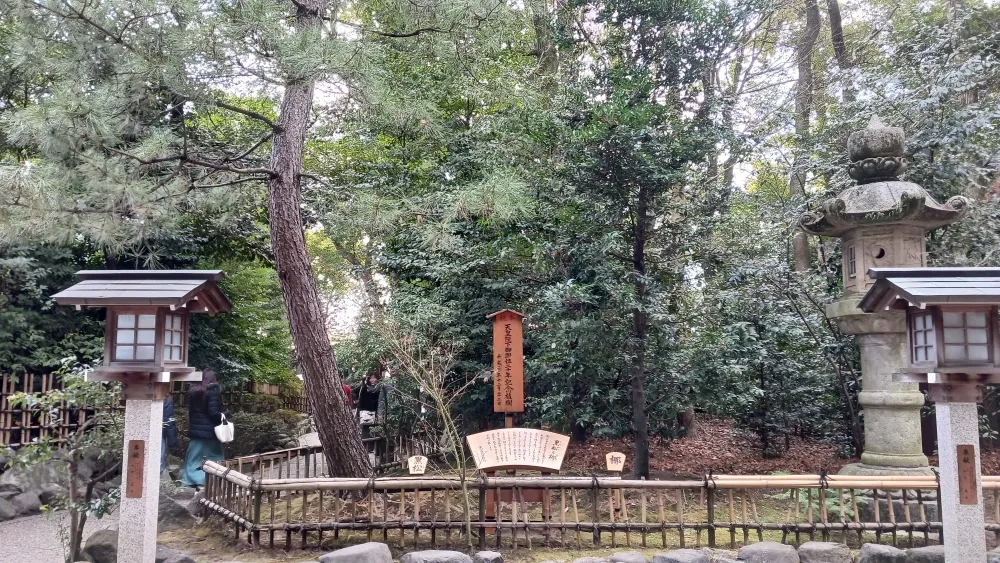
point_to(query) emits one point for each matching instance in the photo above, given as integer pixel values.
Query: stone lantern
(953, 336)
(145, 348)
(881, 221)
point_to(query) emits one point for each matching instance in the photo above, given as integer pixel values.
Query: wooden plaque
(508, 361)
(518, 448)
(417, 465)
(615, 461)
(967, 485)
(136, 468)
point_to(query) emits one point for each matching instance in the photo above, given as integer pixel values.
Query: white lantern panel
(175, 338)
(126, 321)
(975, 319)
(919, 338)
(147, 321)
(144, 352)
(954, 336)
(124, 353)
(976, 335)
(176, 322)
(953, 319)
(145, 336)
(956, 353)
(124, 336)
(978, 353)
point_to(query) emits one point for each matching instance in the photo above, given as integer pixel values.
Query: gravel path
(35, 539)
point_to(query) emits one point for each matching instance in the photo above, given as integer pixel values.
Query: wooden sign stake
(508, 363)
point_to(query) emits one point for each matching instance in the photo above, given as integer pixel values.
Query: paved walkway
(36, 539)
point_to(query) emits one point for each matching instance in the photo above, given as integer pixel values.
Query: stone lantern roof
(880, 198)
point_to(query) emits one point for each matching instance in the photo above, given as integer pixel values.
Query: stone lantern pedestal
(891, 409)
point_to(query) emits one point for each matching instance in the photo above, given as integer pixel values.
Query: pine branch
(196, 161)
(251, 114)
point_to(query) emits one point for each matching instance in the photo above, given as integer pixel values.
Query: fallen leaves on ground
(714, 445)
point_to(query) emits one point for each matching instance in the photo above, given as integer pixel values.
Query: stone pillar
(891, 409)
(140, 501)
(964, 540)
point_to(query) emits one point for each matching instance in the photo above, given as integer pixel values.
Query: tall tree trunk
(844, 61)
(640, 425)
(803, 108)
(345, 454)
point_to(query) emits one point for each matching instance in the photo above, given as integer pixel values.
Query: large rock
(768, 552)
(7, 510)
(824, 552)
(591, 560)
(102, 547)
(172, 515)
(27, 503)
(878, 553)
(682, 556)
(434, 556)
(487, 557)
(929, 554)
(32, 478)
(371, 552)
(168, 555)
(52, 492)
(628, 557)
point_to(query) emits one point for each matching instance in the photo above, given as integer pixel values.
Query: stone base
(884, 471)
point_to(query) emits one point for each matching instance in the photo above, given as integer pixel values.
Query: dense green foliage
(618, 171)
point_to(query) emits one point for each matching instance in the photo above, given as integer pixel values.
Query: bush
(262, 432)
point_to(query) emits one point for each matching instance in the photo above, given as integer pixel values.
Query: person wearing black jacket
(169, 432)
(204, 414)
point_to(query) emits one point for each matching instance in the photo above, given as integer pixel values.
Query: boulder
(682, 556)
(9, 489)
(878, 553)
(591, 560)
(172, 515)
(26, 503)
(768, 552)
(993, 556)
(371, 552)
(51, 492)
(32, 478)
(487, 557)
(434, 556)
(824, 552)
(194, 506)
(929, 554)
(102, 547)
(628, 557)
(168, 555)
(7, 510)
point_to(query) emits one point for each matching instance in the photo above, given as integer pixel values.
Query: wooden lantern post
(145, 349)
(953, 342)
(508, 363)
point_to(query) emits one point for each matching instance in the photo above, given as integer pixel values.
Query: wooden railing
(720, 511)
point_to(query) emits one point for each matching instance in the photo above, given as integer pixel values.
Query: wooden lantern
(952, 336)
(148, 313)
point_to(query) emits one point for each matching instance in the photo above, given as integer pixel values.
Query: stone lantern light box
(147, 328)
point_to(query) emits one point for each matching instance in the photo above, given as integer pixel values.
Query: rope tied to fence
(710, 480)
(595, 486)
(824, 479)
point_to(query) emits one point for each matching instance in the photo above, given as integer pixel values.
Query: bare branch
(249, 113)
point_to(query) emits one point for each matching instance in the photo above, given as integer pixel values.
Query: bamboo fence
(578, 512)
(20, 426)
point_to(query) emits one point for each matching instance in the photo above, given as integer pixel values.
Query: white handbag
(224, 431)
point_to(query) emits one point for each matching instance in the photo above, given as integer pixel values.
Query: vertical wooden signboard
(136, 466)
(508, 361)
(967, 493)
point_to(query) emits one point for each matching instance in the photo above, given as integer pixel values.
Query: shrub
(262, 432)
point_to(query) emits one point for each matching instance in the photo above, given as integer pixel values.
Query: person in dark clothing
(169, 432)
(204, 414)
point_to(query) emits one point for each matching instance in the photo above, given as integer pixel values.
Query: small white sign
(616, 461)
(417, 464)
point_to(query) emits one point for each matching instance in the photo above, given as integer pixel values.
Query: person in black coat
(204, 414)
(169, 432)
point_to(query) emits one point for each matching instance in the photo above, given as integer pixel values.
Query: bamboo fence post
(562, 517)
(321, 518)
(743, 507)
(513, 516)
(371, 509)
(680, 516)
(923, 515)
(878, 516)
(270, 500)
(760, 526)
(663, 518)
(710, 498)
(434, 513)
(857, 515)
(402, 518)
(524, 512)
(823, 514)
(595, 513)
(447, 517)
(611, 516)
(892, 515)
(482, 514)
(576, 518)
(809, 515)
(732, 520)
(416, 516)
(642, 514)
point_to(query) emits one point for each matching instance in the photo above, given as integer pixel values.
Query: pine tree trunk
(640, 424)
(803, 109)
(345, 454)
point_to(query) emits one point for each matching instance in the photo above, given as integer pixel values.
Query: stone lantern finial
(876, 152)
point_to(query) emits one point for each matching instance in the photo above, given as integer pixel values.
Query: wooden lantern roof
(196, 290)
(502, 311)
(898, 288)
